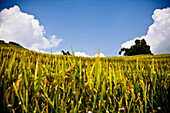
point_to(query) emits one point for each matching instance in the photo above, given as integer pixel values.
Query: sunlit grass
(36, 82)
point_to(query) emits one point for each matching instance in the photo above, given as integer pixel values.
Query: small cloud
(83, 54)
(101, 55)
(24, 29)
(158, 35)
(58, 53)
(42, 51)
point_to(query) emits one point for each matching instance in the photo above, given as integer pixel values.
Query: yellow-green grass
(36, 82)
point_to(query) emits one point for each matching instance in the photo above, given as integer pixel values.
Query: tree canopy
(139, 48)
(65, 53)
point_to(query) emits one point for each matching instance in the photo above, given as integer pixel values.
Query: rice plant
(36, 82)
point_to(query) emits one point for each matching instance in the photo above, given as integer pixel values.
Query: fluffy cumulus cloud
(158, 35)
(24, 29)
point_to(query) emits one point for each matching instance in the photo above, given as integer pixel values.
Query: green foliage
(12, 45)
(139, 48)
(36, 82)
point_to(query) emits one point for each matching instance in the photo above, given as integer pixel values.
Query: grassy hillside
(36, 82)
(12, 45)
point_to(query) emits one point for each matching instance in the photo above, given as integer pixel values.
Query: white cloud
(58, 53)
(54, 41)
(158, 35)
(129, 43)
(83, 54)
(101, 55)
(24, 29)
(42, 51)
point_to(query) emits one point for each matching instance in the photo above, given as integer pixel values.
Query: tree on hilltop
(2, 41)
(14, 43)
(139, 48)
(65, 53)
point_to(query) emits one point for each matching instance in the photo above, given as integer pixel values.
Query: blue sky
(89, 25)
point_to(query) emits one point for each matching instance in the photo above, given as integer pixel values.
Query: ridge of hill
(15, 46)
(11, 44)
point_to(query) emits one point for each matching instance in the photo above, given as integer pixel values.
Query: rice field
(46, 83)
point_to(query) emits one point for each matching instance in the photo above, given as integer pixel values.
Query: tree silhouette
(65, 53)
(140, 47)
(14, 43)
(2, 41)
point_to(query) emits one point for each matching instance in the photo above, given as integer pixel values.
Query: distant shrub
(65, 53)
(2, 41)
(14, 43)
